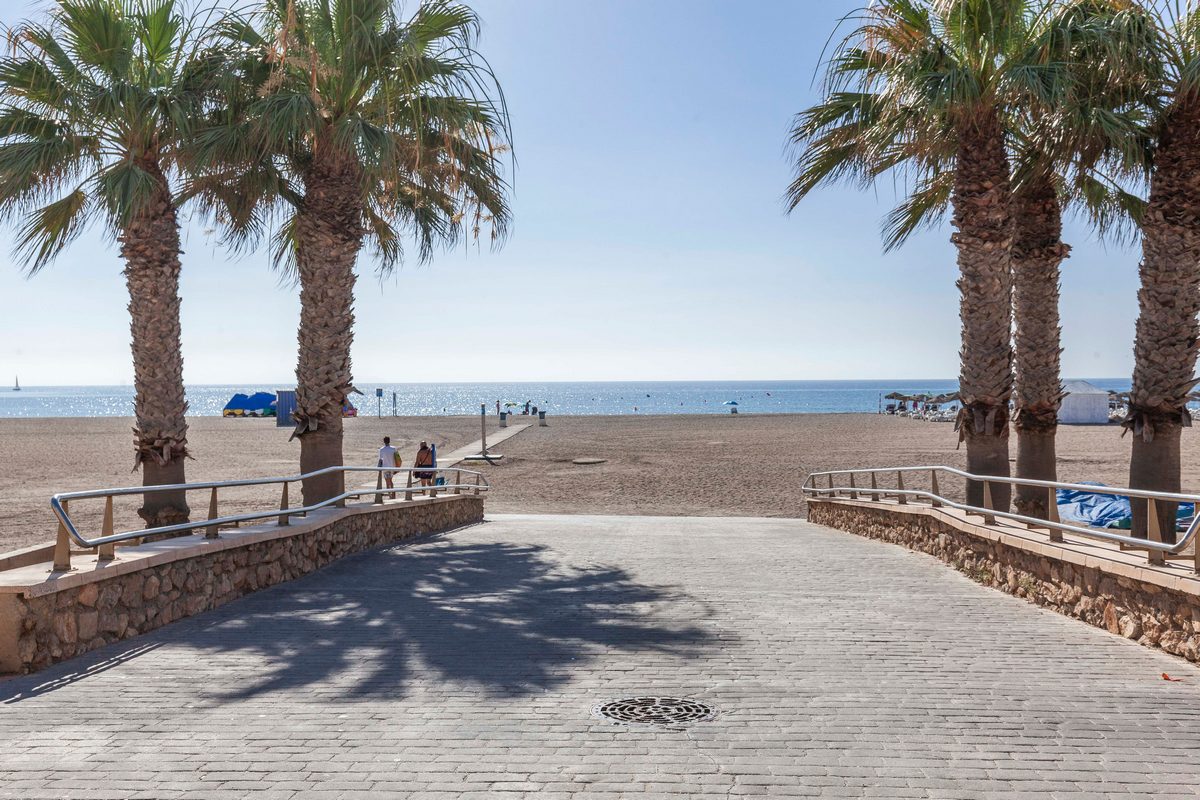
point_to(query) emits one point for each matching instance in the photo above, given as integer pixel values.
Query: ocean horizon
(586, 398)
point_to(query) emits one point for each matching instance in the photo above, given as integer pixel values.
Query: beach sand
(705, 465)
(715, 465)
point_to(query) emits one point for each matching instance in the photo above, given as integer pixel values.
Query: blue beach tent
(259, 404)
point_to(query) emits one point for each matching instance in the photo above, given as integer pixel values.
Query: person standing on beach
(388, 457)
(424, 459)
(497, 408)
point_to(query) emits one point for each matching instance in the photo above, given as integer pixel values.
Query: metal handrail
(67, 526)
(1166, 548)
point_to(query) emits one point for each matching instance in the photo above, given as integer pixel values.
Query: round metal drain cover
(655, 711)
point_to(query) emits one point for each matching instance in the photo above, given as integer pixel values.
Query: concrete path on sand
(466, 666)
(494, 438)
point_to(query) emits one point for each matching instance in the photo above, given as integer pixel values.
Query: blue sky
(649, 242)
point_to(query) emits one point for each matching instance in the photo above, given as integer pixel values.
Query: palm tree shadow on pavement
(504, 618)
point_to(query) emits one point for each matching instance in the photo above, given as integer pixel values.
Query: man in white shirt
(387, 458)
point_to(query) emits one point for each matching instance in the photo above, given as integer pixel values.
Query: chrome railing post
(107, 552)
(211, 531)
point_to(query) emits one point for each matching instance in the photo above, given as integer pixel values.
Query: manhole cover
(655, 711)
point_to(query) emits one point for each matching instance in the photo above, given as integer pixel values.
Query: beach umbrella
(730, 403)
(895, 396)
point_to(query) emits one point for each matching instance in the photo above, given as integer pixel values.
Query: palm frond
(924, 208)
(47, 231)
(409, 105)
(99, 97)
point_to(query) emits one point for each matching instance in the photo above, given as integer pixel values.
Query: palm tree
(96, 101)
(931, 87)
(344, 125)
(1167, 337)
(1083, 153)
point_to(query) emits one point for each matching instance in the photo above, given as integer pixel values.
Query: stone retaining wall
(1140, 610)
(37, 630)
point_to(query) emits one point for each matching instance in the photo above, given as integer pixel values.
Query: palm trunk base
(163, 508)
(320, 449)
(1036, 461)
(1155, 465)
(987, 454)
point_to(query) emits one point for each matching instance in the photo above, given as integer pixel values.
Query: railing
(104, 544)
(851, 484)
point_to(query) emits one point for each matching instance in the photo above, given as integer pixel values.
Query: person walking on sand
(424, 459)
(388, 457)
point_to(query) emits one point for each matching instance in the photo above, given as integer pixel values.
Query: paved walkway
(496, 437)
(467, 665)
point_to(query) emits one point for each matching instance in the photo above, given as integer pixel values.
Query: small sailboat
(16, 384)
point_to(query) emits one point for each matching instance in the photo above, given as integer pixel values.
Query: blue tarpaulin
(1103, 510)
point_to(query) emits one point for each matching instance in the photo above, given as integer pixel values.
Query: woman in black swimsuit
(424, 459)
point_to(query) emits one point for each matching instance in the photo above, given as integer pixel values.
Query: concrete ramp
(475, 664)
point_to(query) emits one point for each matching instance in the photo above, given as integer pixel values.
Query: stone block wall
(1143, 611)
(44, 629)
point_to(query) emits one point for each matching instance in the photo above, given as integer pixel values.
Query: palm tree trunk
(1165, 344)
(150, 247)
(1037, 252)
(328, 238)
(983, 221)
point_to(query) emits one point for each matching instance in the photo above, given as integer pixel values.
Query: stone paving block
(466, 666)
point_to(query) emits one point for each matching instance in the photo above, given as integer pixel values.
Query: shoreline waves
(558, 398)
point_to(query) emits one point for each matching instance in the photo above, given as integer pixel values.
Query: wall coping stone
(37, 579)
(1106, 557)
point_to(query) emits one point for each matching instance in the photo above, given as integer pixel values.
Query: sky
(649, 240)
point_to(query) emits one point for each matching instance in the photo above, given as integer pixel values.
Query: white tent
(1085, 404)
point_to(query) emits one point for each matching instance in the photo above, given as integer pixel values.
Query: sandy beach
(705, 465)
(748, 464)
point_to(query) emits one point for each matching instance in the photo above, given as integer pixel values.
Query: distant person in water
(424, 459)
(388, 457)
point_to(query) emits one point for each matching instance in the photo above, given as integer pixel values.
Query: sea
(607, 398)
